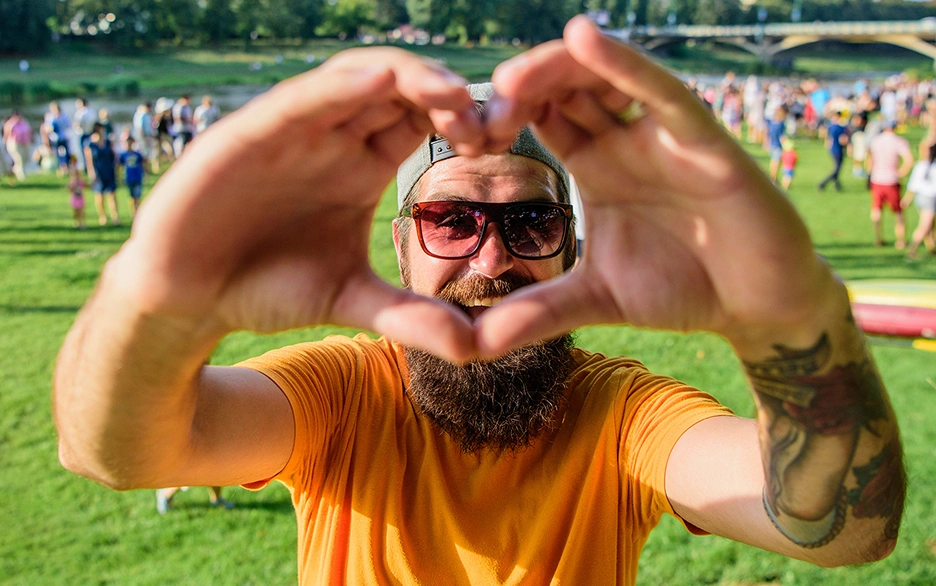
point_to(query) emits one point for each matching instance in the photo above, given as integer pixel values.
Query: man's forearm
(124, 389)
(829, 439)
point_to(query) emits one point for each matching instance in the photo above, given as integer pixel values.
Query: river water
(227, 98)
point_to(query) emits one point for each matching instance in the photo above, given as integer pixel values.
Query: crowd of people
(862, 122)
(94, 153)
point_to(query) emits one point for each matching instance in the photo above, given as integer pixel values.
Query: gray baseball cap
(436, 148)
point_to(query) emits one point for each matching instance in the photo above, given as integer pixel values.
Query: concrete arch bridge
(770, 41)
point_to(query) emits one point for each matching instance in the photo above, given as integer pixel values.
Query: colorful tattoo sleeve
(829, 442)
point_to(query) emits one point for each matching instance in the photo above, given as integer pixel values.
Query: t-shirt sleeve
(312, 376)
(324, 383)
(659, 410)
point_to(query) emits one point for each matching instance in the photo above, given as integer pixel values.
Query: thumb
(407, 318)
(540, 312)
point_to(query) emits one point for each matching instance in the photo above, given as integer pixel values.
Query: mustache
(477, 287)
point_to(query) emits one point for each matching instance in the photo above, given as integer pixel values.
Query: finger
(395, 143)
(463, 130)
(562, 136)
(423, 82)
(541, 312)
(376, 118)
(662, 95)
(583, 110)
(327, 98)
(526, 82)
(430, 87)
(407, 318)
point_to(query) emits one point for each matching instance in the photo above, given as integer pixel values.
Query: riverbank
(82, 69)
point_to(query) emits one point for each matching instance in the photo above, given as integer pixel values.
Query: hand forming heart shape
(685, 232)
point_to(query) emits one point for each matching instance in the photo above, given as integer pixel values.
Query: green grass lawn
(56, 528)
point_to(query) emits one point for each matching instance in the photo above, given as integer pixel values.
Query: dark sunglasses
(455, 229)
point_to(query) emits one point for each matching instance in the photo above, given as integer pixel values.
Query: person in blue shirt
(775, 130)
(836, 140)
(102, 171)
(132, 162)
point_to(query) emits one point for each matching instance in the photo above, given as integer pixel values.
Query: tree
(346, 18)
(218, 22)
(23, 27)
(535, 21)
(716, 12)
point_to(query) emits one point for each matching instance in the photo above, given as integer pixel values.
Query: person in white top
(205, 115)
(889, 159)
(921, 188)
(84, 126)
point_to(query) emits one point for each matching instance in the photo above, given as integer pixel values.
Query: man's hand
(684, 230)
(264, 223)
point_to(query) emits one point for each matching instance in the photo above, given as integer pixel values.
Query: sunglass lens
(534, 230)
(450, 229)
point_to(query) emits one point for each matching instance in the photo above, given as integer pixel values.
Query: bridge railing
(923, 27)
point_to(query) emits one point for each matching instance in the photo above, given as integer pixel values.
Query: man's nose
(492, 258)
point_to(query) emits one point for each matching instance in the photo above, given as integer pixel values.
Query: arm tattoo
(813, 414)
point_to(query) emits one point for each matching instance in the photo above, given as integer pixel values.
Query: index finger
(585, 59)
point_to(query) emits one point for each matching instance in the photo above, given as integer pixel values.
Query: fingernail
(454, 78)
(496, 109)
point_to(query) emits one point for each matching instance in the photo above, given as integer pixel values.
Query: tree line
(29, 26)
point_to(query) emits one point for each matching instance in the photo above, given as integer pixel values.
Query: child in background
(132, 162)
(76, 186)
(858, 148)
(788, 160)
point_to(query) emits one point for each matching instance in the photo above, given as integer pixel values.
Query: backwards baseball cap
(436, 148)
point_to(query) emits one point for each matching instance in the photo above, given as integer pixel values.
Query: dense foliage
(27, 26)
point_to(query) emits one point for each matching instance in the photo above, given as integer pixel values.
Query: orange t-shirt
(383, 497)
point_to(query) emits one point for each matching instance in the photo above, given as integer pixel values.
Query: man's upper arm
(243, 429)
(715, 481)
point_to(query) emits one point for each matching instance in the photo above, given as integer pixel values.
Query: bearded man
(473, 444)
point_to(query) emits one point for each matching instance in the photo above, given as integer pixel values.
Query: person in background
(132, 161)
(858, 145)
(206, 114)
(921, 189)
(144, 133)
(18, 139)
(182, 127)
(788, 160)
(83, 126)
(6, 164)
(59, 125)
(836, 141)
(106, 124)
(889, 159)
(76, 187)
(775, 132)
(164, 136)
(164, 498)
(102, 171)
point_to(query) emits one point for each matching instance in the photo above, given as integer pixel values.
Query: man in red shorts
(889, 159)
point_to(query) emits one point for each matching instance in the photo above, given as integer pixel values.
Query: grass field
(56, 528)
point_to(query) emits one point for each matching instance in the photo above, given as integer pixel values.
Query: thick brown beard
(500, 405)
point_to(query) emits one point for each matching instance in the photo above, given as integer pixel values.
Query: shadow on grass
(17, 309)
(21, 187)
(280, 506)
(68, 229)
